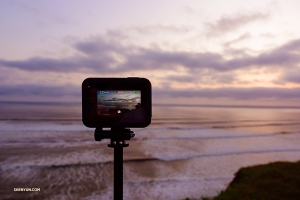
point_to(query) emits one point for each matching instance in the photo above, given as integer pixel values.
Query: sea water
(187, 151)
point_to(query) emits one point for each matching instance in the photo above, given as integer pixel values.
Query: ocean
(187, 151)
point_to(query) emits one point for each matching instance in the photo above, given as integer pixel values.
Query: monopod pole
(118, 172)
(117, 141)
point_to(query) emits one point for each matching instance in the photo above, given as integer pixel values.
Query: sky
(207, 52)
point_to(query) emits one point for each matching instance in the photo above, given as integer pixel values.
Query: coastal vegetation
(278, 180)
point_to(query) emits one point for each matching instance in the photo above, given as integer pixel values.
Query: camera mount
(117, 138)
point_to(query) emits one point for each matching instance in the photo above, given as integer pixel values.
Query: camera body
(116, 102)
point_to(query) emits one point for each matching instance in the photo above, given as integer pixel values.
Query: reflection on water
(261, 120)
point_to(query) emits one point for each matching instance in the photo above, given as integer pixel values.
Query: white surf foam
(41, 126)
(216, 142)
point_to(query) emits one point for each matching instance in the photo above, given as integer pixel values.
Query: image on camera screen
(116, 103)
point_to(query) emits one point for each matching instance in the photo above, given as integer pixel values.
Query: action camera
(116, 102)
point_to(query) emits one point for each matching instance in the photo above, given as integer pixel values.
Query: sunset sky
(194, 52)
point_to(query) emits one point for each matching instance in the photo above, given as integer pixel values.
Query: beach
(187, 151)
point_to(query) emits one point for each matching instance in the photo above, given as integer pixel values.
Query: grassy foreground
(279, 180)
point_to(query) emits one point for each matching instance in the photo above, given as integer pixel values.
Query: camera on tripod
(116, 102)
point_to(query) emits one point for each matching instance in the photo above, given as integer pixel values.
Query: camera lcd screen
(116, 103)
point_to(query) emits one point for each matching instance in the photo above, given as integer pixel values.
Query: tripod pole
(117, 141)
(118, 171)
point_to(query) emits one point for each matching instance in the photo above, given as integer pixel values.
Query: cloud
(99, 46)
(292, 76)
(293, 46)
(43, 64)
(239, 39)
(48, 91)
(233, 93)
(189, 10)
(102, 57)
(183, 78)
(110, 56)
(170, 29)
(207, 78)
(230, 23)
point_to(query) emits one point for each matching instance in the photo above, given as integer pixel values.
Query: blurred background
(225, 84)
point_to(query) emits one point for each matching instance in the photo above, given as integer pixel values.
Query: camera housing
(116, 102)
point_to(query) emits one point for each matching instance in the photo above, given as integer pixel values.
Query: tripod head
(116, 135)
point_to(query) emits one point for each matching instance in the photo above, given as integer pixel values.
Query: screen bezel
(140, 84)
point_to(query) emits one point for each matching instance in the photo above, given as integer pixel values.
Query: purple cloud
(100, 57)
(48, 91)
(233, 93)
(231, 23)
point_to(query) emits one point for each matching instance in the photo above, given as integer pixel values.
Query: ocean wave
(256, 125)
(9, 165)
(40, 119)
(204, 137)
(41, 126)
(154, 120)
(232, 154)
